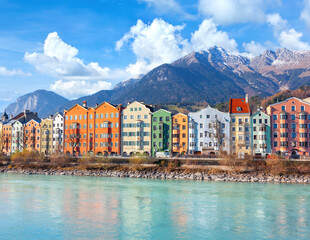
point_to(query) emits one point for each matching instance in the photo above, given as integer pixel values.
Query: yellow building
(240, 126)
(180, 134)
(46, 135)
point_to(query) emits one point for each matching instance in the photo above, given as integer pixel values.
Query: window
(233, 120)
(283, 108)
(90, 116)
(201, 125)
(90, 125)
(125, 116)
(111, 115)
(155, 119)
(106, 115)
(167, 119)
(275, 125)
(132, 117)
(293, 117)
(101, 115)
(275, 144)
(145, 116)
(302, 108)
(254, 121)
(275, 134)
(116, 115)
(239, 109)
(293, 108)
(208, 116)
(275, 117)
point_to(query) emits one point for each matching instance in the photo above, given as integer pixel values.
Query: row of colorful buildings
(138, 128)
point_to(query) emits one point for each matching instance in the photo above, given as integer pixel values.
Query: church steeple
(5, 117)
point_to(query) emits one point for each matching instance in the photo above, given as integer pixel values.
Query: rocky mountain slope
(40, 101)
(213, 76)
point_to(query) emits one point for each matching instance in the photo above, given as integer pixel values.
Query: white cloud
(287, 37)
(305, 13)
(14, 72)
(291, 39)
(154, 44)
(74, 89)
(59, 59)
(253, 49)
(233, 11)
(208, 36)
(168, 7)
(276, 22)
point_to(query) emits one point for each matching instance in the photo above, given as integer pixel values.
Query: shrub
(26, 157)
(278, 166)
(137, 162)
(58, 160)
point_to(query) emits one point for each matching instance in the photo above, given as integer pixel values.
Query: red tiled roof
(238, 105)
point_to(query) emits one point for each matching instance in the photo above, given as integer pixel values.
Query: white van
(164, 154)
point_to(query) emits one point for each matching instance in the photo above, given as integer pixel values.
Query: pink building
(290, 127)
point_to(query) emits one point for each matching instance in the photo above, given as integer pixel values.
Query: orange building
(76, 130)
(32, 135)
(7, 138)
(92, 130)
(180, 134)
(108, 129)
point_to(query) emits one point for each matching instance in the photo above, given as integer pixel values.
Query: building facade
(58, 132)
(32, 135)
(240, 129)
(180, 134)
(137, 129)
(46, 139)
(18, 141)
(209, 131)
(290, 124)
(260, 134)
(161, 132)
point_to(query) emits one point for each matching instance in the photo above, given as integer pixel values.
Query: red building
(290, 127)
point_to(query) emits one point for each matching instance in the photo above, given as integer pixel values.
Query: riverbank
(177, 175)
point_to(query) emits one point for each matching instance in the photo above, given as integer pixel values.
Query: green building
(161, 131)
(261, 135)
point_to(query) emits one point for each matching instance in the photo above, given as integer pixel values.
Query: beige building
(137, 129)
(46, 135)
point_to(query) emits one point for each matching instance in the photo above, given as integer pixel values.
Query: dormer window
(239, 109)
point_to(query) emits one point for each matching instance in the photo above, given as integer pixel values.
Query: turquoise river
(71, 207)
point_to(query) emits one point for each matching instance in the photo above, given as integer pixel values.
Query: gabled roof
(35, 120)
(162, 110)
(179, 113)
(305, 102)
(75, 106)
(239, 105)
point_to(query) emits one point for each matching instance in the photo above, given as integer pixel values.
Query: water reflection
(59, 207)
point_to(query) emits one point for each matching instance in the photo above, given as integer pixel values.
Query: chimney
(84, 104)
(11, 116)
(96, 104)
(246, 98)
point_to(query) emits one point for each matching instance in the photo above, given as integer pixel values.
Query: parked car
(164, 154)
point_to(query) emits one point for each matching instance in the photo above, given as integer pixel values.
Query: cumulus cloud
(160, 42)
(14, 72)
(167, 6)
(305, 13)
(59, 59)
(233, 11)
(277, 22)
(74, 89)
(292, 39)
(154, 44)
(287, 37)
(208, 36)
(253, 49)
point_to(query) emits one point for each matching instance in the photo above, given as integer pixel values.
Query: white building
(17, 137)
(58, 131)
(209, 131)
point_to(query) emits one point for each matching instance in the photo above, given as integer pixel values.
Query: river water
(72, 207)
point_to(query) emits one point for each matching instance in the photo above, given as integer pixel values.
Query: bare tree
(217, 132)
(73, 137)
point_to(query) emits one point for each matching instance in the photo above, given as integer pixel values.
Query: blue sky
(77, 48)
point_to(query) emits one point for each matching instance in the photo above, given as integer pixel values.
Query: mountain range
(213, 76)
